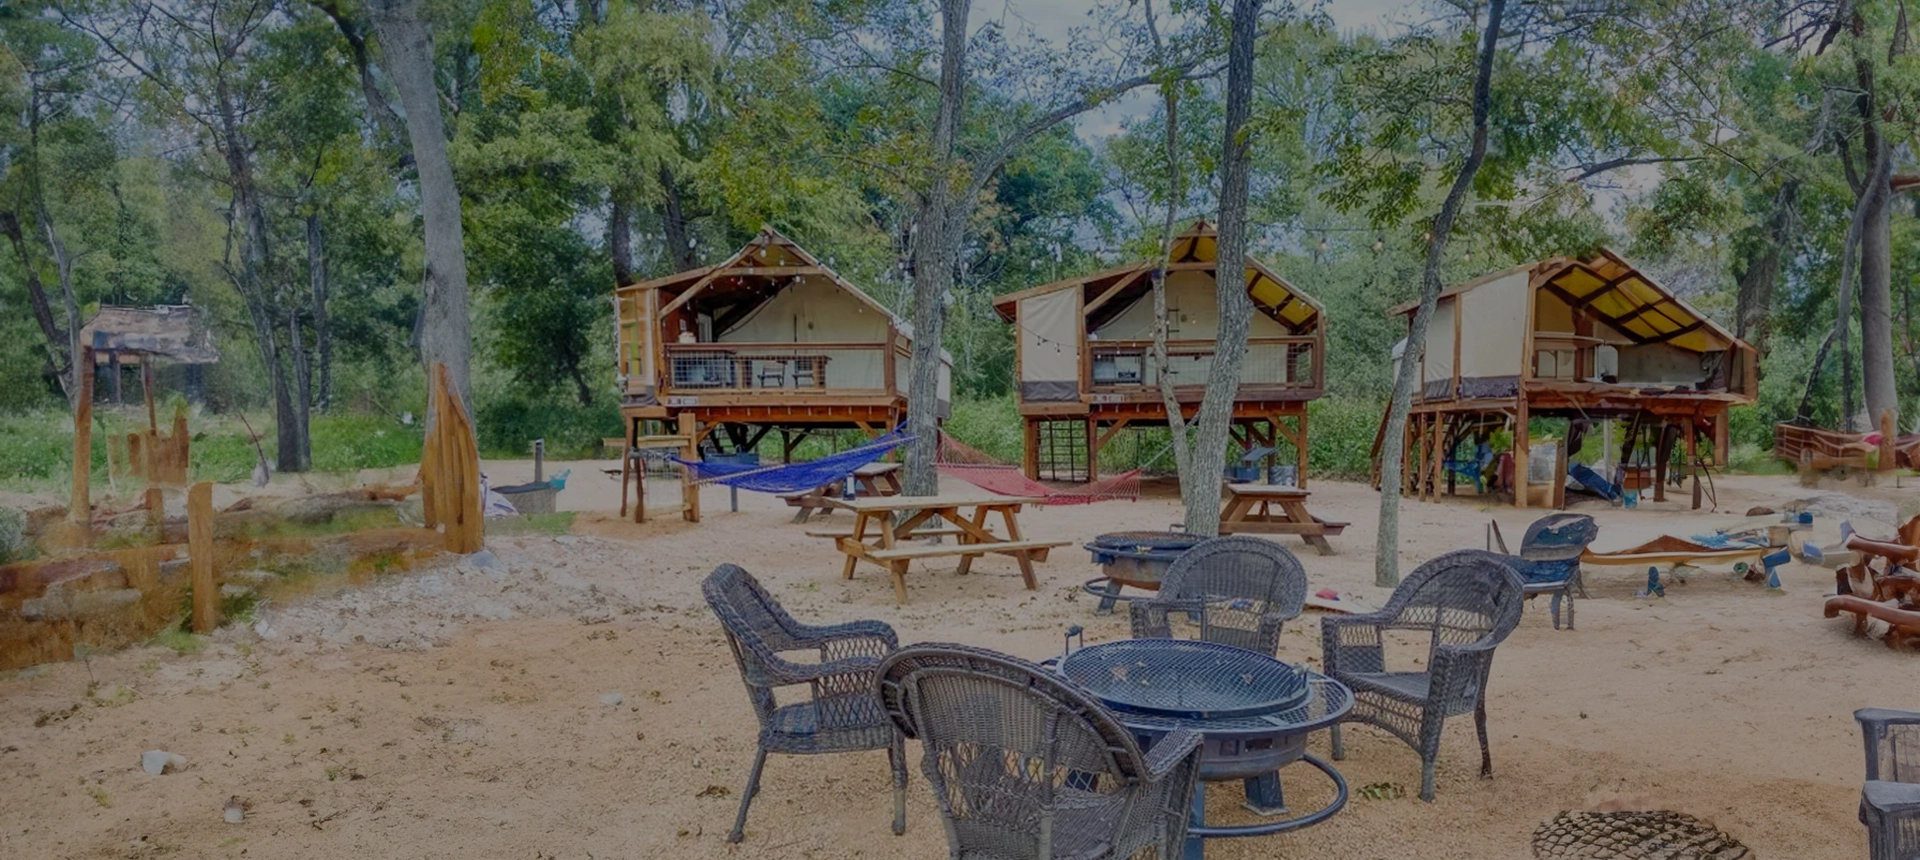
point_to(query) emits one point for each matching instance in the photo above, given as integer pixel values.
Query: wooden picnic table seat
(1034, 549)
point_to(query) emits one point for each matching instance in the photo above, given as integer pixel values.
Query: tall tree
(945, 205)
(1387, 548)
(446, 329)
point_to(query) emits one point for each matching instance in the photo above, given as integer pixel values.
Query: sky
(1054, 19)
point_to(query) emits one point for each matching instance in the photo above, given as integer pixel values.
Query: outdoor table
(1250, 510)
(877, 536)
(873, 479)
(1255, 713)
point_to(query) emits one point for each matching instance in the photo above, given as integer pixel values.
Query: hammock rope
(980, 469)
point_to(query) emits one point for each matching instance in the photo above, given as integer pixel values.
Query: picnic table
(1276, 510)
(877, 537)
(869, 481)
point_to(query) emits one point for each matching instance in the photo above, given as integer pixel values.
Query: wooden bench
(847, 532)
(1034, 549)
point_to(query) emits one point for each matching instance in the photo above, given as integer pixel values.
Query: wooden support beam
(1693, 457)
(1683, 330)
(1030, 456)
(1560, 455)
(1300, 450)
(689, 492)
(1110, 293)
(206, 594)
(1663, 453)
(1113, 430)
(1092, 430)
(79, 504)
(1520, 443)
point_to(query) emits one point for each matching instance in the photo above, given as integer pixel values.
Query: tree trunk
(936, 247)
(1876, 265)
(322, 333)
(1757, 282)
(63, 269)
(620, 241)
(1386, 572)
(58, 352)
(446, 331)
(673, 222)
(1878, 176)
(1200, 487)
(1179, 439)
(302, 390)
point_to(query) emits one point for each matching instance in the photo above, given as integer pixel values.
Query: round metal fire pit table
(1255, 712)
(1136, 559)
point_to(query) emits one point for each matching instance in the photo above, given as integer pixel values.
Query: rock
(566, 540)
(1759, 511)
(488, 563)
(63, 605)
(234, 589)
(611, 700)
(235, 810)
(157, 762)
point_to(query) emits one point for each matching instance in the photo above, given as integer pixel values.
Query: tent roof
(1197, 248)
(165, 332)
(1613, 291)
(766, 265)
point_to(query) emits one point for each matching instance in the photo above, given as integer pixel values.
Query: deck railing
(1272, 364)
(794, 368)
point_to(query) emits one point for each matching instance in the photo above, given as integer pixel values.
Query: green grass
(553, 524)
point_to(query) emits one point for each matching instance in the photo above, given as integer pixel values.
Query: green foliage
(13, 537)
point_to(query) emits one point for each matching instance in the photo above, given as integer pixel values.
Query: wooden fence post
(206, 595)
(80, 505)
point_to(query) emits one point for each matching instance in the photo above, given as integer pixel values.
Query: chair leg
(1426, 779)
(1480, 726)
(897, 757)
(1554, 607)
(746, 797)
(1339, 748)
(1569, 609)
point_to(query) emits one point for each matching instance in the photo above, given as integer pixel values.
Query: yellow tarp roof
(1200, 244)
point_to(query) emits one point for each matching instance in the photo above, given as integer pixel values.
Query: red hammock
(979, 469)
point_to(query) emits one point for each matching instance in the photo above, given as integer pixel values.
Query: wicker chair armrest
(1886, 717)
(1898, 800)
(808, 635)
(1339, 655)
(1148, 618)
(782, 673)
(1170, 751)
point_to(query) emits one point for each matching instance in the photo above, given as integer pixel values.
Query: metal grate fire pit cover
(1186, 679)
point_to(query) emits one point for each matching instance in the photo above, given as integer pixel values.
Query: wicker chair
(1465, 602)
(1026, 764)
(1239, 589)
(1890, 801)
(842, 715)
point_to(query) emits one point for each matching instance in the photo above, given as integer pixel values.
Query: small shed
(1573, 339)
(148, 336)
(767, 339)
(1083, 369)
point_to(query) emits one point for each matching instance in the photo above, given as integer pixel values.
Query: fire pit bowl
(1137, 559)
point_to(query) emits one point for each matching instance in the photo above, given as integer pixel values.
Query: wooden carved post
(1693, 456)
(1662, 453)
(206, 595)
(1886, 440)
(450, 470)
(689, 492)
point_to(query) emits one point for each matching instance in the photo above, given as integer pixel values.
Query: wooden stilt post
(689, 492)
(1093, 449)
(1722, 440)
(80, 505)
(1560, 455)
(1520, 443)
(1030, 457)
(206, 595)
(1300, 450)
(1693, 457)
(1662, 453)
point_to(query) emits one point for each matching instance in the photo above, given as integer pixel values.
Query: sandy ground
(459, 711)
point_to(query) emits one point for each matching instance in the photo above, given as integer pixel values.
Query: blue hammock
(795, 477)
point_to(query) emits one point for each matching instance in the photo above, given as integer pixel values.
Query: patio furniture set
(1100, 752)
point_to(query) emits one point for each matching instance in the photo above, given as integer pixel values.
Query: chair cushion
(1410, 686)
